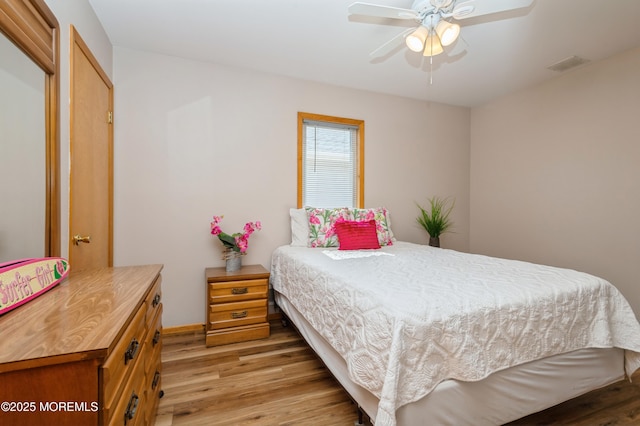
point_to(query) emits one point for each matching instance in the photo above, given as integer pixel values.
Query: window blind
(329, 164)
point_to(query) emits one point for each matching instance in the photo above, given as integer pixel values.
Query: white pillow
(299, 227)
(393, 238)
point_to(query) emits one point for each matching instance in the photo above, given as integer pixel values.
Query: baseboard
(183, 329)
(199, 328)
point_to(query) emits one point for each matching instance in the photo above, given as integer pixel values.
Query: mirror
(22, 155)
(29, 178)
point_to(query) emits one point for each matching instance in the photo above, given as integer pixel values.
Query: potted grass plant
(435, 219)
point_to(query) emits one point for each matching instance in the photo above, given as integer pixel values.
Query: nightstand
(236, 305)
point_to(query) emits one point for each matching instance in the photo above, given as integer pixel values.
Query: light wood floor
(279, 381)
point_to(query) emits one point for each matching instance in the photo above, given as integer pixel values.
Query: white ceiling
(317, 40)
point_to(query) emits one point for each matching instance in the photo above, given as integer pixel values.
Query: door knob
(77, 239)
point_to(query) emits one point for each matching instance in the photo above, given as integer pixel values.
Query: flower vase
(233, 260)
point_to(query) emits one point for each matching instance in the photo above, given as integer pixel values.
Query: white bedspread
(404, 323)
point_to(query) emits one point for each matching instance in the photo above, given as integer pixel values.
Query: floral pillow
(322, 230)
(383, 225)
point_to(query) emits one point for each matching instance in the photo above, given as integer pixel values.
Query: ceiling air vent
(568, 63)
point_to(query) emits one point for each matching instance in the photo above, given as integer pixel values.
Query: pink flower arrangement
(238, 242)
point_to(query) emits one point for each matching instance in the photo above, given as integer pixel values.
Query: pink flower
(242, 241)
(249, 228)
(238, 241)
(215, 229)
(314, 219)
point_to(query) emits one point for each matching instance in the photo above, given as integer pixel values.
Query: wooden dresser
(85, 353)
(236, 304)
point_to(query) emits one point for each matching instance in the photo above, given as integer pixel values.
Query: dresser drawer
(153, 344)
(225, 315)
(153, 389)
(153, 300)
(124, 357)
(130, 409)
(235, 291)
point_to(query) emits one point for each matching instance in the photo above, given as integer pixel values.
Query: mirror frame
(34, 29)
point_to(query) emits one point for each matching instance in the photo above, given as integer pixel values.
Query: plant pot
(234, 264)
(233, 260)
(434, 241)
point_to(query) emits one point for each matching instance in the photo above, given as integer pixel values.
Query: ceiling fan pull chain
(431, 70)
(431, 61)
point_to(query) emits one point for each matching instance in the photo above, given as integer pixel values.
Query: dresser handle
(156, 337)
(156, 379)
(236, 315)
(132, 407)
(240, 290)
(156, 300)
(132, 350)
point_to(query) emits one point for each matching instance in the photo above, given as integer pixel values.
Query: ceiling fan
(435, 18)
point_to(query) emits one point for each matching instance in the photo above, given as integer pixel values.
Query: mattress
(407, 317)
(499, 398)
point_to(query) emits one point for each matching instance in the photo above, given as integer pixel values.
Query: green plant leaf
(228, 241)
(435, 219)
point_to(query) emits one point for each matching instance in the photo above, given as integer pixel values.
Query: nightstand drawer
(235, 291)
(226, 315)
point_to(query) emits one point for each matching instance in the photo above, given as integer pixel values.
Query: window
(330, 161)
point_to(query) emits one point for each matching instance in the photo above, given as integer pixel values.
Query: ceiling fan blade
(368, 9)
(391, 44)
(473, 8)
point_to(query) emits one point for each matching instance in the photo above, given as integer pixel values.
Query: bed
(415, 333)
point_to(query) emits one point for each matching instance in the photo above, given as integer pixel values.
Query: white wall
(194, 139)
(555, 173)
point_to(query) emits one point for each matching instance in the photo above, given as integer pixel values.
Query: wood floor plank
(279, 381)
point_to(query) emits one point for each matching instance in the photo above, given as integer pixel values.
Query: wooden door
(91, 170)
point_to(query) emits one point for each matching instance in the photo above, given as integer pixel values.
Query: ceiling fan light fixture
(415, 41)
(432, 45)
(447, 32)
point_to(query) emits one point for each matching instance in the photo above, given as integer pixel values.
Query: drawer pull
(132, 407)
(156, 300)
(132, 350)
(156, 379)
(240, 290)
(156, 337)
(236, 315)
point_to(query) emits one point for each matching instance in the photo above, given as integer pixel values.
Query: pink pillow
(356, 235)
